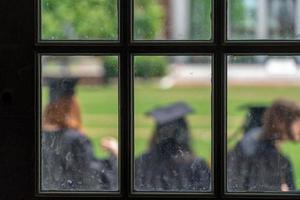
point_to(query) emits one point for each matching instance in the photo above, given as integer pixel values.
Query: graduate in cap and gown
(169, 164)
(256, 164)
(68, 162)
(254, 117)
(251, 129)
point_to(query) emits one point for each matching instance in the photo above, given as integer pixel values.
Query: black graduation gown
(260, 167)
(176, 173)
(68, 164)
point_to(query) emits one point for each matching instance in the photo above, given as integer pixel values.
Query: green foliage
(237, 17)
(96, 19)
(145, 66)
(79, 19)
(237, 12)
(148, 18)
(110, 65)
(201, 19)
(150, 66)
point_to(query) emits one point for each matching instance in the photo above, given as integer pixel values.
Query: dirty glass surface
(79, 123)
(79, 20)
(172, 19)
(172, 127)
(263, 19)
(263, 124)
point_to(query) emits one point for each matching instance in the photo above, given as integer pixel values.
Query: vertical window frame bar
(219, 98)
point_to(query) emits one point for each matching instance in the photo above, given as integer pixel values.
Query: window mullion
(125, 102)
(219, 106)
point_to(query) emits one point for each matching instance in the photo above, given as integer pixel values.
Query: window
(213, 48)
(79, 124)
(168, 45)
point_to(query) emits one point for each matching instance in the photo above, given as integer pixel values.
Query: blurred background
(258, 81)
(96, 92)
(160, 80)
(169, 19)
(263, 19)
(171, 79)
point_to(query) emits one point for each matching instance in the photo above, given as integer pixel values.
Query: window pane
(172, 140)
(79, 126)
(79, 20)
(263, 19)
(172, 19)
(263, 124)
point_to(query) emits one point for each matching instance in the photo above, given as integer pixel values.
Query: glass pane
(263, 124)
(79, 20)
(172, 140)
(263, 19)
(79, 126)
(172, 19)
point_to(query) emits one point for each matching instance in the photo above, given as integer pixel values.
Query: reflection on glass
(263, 19)
(172, 20)
(79, 129)
(263, 124)
(172, 140)
(79, 20)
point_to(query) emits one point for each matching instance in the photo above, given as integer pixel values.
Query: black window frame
(20, 48)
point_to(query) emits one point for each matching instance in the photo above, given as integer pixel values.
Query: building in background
(258, 19)
(190, 20)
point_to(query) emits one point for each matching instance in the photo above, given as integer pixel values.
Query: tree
(149, 17)
(96, 19)
(201, 19)
(79, 19)
(237, 19)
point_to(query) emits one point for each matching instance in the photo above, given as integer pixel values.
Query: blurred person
(68, 162)
(254, 117)
(251, 128)
(169, 164)
(256, 164)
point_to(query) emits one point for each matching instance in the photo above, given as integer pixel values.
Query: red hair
(63, 113)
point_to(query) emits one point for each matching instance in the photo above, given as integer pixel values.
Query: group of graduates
(254, 164)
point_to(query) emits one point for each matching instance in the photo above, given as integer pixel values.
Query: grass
(100, 107)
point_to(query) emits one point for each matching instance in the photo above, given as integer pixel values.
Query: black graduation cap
(170, 113)
(60, 87)
(254, 116)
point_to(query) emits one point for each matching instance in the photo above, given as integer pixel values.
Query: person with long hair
(262, 167)
(169, 164)
(68, 162)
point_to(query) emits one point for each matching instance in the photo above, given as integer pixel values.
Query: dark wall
(17, 99)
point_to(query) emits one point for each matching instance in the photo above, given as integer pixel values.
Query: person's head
(171, 134)
(282, 121)
(63, 109)
(63, 113)
(172, 137)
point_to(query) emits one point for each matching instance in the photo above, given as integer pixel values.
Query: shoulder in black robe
(68, 164)
(177, 173)
(255, 165)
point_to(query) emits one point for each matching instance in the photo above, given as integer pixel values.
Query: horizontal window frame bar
(174, 195)
(174, 48)
(277, 196)
(172, 43)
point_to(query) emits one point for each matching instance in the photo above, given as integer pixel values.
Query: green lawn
(99, 112)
